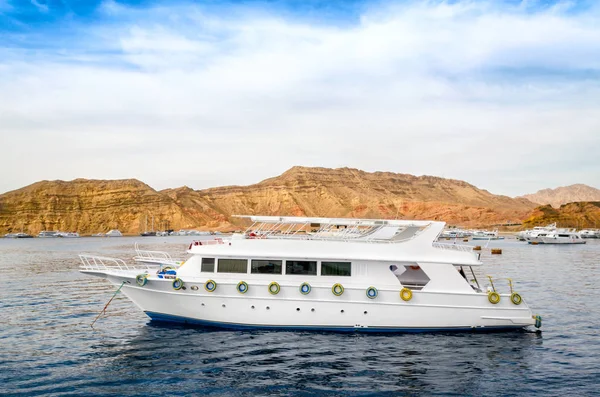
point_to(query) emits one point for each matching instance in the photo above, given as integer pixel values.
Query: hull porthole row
(372, 293)
(305, 288)
(210, 285)
(274, 288)
(337, 289)
(242, 287)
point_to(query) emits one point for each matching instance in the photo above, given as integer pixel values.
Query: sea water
(48, 348)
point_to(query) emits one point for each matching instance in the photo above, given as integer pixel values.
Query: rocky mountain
(347, 192)
(90, 206)
(87, 206)
(585, 214)
(565, 194)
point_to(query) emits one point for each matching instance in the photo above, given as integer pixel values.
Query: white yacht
(48, 234)
(589, 233)
(526, 235)
(114, 233)
(559, 236)
(68, 234)
(372, 275)
(486, 235)
(453, 233)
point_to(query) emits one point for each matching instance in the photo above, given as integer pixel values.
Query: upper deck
(338, 229)
(360, 239)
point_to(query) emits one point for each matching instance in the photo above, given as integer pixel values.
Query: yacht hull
(321, 310)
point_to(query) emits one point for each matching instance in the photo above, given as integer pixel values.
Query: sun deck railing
(365, 233)
(102, 263)
(453, 247)
(152, 256)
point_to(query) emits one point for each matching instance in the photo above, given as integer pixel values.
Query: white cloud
(504, 97)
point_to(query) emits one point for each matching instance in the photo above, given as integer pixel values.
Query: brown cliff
(87, 206)
(91, 206)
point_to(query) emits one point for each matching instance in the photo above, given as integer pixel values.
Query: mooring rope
(108, 303)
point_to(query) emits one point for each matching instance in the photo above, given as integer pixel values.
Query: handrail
(455, 247)
(152, 255)
(92, 262)
(215, 241)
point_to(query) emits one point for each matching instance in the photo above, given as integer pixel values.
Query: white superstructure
(325, 274)
(114, 233)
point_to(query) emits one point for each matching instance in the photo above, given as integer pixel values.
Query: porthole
(242, 287)
(341, 311)
(268, 307)
(337, 289)
(252, 307)
(194, 288)
(210, 285)
(365, 312)
(372, 292)
(312, 310)
(274, 288)
(177, 284)
(297, 309)
(305, 288)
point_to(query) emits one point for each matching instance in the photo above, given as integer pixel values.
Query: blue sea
(47, 346)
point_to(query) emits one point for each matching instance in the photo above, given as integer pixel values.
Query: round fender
(406, 294)
(337, 289)
(210, 285)
(274, 288)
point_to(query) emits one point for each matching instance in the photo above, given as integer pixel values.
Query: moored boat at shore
(486, 235)
(18, 235)
(350, 275)
(559, 236)
(114, 233)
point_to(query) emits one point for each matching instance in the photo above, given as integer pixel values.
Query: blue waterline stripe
(216, 324)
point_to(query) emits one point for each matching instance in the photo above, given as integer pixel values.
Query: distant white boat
(48, 234)
(114, 233)
(18, 235)
(538, 231)
(486, 235)
(560, 236)
(589, 233)
(68, 234)
(453, 233)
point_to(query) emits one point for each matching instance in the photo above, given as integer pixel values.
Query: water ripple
(48, 347)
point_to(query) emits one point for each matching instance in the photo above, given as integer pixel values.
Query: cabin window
(410, 275)
(336, 268)
(232, 266)
(208, 265)
(266, 266)
(301, 267)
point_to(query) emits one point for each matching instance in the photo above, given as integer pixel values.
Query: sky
(502, 94)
